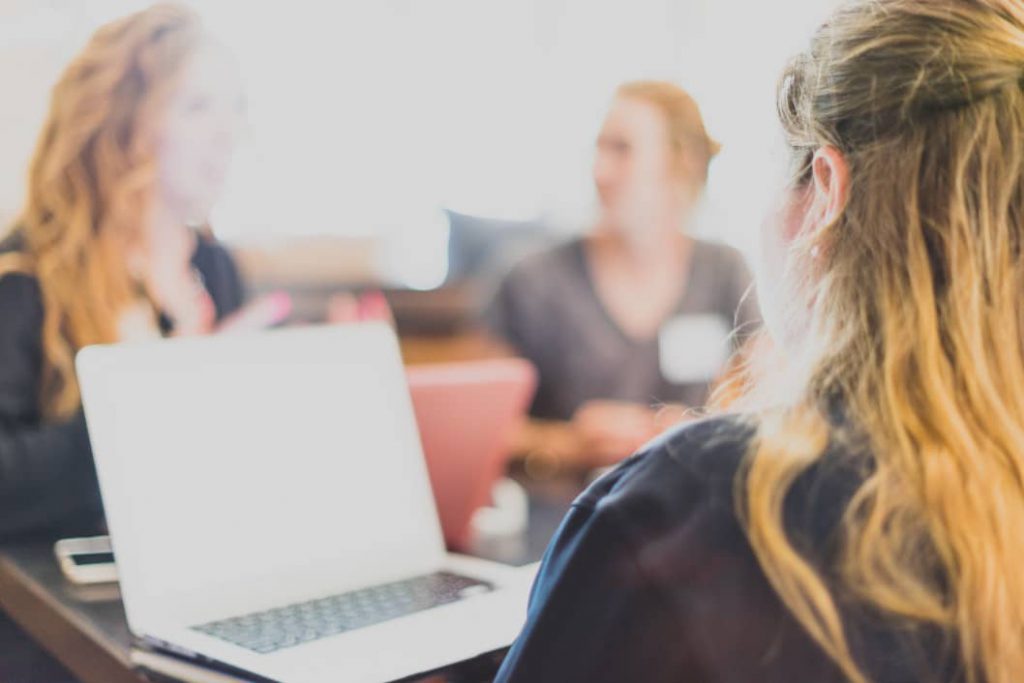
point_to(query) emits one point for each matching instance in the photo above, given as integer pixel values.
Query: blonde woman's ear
(831, 182)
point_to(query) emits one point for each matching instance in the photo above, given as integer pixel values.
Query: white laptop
(271, 513)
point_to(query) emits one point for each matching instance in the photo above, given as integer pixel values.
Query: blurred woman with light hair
(132, 155)
(638, 313)
(111, 244)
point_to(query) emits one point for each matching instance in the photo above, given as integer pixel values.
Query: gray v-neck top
(548, 309)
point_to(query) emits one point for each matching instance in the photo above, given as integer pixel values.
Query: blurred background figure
(636, 314)
(112, 245)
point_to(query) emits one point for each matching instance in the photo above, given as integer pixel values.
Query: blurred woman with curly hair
(110, 245)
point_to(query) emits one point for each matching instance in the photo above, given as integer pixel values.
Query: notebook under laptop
(271, 512)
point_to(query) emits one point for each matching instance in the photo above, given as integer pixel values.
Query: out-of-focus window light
(368, 116)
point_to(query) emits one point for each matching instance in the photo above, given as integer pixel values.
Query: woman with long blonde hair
(132, 155)
(863, 520)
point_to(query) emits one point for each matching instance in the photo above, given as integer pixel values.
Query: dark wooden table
(84, 627)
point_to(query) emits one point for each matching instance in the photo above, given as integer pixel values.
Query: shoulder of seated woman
(688, 475)
(12, 241)
(697, 459)
(21, 304)
(718, 252)
(17, 283)
(546, 263)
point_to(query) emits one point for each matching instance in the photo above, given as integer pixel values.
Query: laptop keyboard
(292, 625)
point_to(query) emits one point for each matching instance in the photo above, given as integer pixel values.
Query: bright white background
(366, 116)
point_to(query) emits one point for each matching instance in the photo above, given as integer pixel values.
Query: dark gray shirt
(548, 309)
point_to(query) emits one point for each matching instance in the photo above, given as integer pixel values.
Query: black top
(651, 579)
(548, 309)
(47, 481)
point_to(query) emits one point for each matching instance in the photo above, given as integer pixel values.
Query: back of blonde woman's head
(90, 181)
(916, 307)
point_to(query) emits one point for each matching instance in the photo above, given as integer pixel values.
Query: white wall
(367, 115)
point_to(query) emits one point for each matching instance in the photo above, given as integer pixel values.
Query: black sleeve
(650, 578)
(593, 614)
(47, 479)
(220, 275)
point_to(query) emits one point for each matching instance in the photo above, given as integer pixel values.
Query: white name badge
(693, 348)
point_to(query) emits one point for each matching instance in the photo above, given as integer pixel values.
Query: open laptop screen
(249, 471)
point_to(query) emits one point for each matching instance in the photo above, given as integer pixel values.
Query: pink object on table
(467, 413)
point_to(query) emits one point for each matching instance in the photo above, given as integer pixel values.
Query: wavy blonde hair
(917, 325)
(90, 182)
